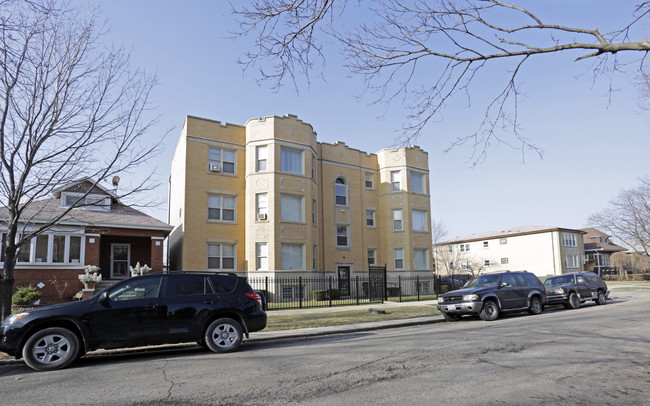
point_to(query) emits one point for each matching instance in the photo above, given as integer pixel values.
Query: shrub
(26, 295)
(325, 294)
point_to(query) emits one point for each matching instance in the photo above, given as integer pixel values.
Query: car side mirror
(103, 297)
(503, 285)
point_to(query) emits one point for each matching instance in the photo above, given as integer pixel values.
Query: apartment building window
(341, 192)
(572, 261)
(396, 181)
(262, 252)
(262, 206)
(486, 262)
(262, 158)
(291, 160)
(417, 182)
(342, 235)
(419, 219)
(486, 244)
(397, 220)
(504, 261)
(465, 265)
(292, 256)
(314, 257)
(372, 257)
(221, 208)
(370, 180)
(420, 258)
(221, 257)
(313, 211)
(398, 255)
(503, 241)
(370, 218)
(49, 248)
(221, 160)
(464, 248)
(313, 167)
(569, 240)
(291, 208)
(450, 248)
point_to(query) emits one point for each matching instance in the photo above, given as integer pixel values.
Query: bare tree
(69, 109)
(628, 218)
(424, 52)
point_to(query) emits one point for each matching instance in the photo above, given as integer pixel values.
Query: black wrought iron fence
(305, 292)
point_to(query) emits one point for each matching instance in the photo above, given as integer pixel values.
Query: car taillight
(256, 297)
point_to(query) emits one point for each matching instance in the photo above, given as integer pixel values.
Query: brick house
(106, 233)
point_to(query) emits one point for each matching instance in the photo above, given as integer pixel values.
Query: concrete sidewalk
(292, 334)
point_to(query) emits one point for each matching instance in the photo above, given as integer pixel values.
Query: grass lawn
(335, 318)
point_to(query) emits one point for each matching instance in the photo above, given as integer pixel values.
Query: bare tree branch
(424, 52)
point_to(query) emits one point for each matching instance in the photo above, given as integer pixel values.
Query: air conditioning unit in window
(261, 216)
(215, 167)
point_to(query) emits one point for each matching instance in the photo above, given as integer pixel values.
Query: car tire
(490, 311)
(51, 348)
(223, 335)
(602, 298)
(452, 317)
(535, 305)
(573, 301)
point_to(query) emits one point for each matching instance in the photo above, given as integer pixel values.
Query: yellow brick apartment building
(268, 199)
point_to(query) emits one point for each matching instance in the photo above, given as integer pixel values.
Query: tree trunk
(6, 287)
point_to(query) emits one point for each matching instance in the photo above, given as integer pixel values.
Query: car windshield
(560, 280)
(482, 281)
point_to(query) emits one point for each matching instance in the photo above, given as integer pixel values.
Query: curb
(269, 336)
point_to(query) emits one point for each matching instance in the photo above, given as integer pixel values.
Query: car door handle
(151, 306)
(208, 302)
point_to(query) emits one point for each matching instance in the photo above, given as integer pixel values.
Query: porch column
(157, 254)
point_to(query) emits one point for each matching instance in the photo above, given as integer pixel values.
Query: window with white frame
(572, 261)
(464, 247)
(370, 218)
(221, 160)
(504, 261)
(291, 208)
(262, 252)
(370, 180)
(90, 202)
(291, 160)
(262, 156)
(503, 241)
(51, 249)
(486, 244)
(569, 240)
(292, 256)
(341, 192)
(450, 248)
(398, 255)
(221, 257)
(221, 208)
(342, 235)
(397, 220)
(420, 259)
(486, 262)
(372, 256)
(417, 182)
(419, 219)
(262, 206)
(396, 181)
(465, 265)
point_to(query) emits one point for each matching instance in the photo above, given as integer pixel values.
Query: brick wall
(51, 278)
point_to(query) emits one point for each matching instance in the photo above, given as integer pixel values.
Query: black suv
(571, 289)
(213, 309)
(490, 294)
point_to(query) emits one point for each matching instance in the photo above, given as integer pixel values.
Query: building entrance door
(120, 260)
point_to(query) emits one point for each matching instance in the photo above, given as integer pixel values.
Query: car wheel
(535, 305)
(223, 335)
(573, 301)
(602, 299)
(490, 311)
(452, 317)
(51, 348)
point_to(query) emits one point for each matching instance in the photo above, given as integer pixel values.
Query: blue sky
(592, 148)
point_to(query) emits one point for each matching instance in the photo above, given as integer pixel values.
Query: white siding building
(541, 250)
